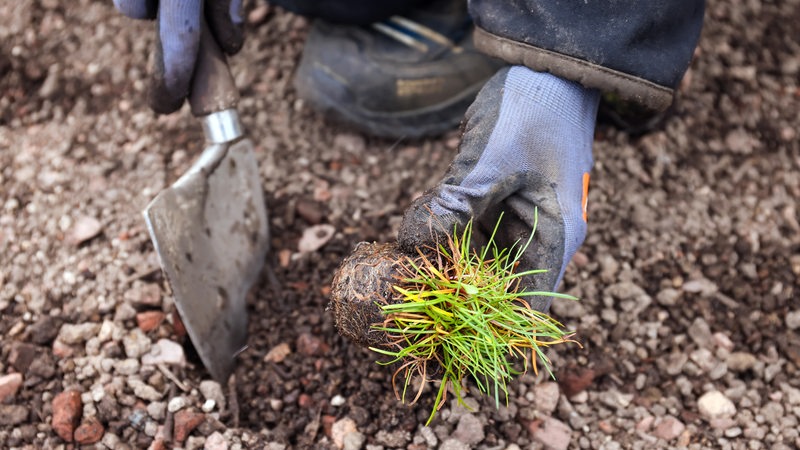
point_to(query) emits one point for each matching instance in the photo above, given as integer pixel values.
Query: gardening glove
(178, 28)
(526, 150)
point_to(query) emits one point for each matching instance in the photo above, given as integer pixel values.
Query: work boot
(408, 76)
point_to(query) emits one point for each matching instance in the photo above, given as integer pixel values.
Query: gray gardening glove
(527, 146)
(178, 28)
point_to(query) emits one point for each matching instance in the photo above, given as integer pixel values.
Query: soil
(688, 280)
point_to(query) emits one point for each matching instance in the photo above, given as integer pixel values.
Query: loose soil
(688, 279)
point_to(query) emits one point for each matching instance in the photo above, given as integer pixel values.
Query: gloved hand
(178, 28)
(527, 145)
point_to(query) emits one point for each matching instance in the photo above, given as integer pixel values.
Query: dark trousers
(356, 12)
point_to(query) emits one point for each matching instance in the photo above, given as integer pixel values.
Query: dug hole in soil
(688, 280)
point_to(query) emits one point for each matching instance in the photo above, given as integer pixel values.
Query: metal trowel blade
(211, 234)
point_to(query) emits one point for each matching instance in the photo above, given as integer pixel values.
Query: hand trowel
(210, 227)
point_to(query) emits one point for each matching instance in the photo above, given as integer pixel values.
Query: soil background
(688, 281)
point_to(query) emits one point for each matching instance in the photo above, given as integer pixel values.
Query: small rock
(340, 429)
(89, 432)
(208, 406)
(351, 142)
(733, 432)
(723, 341)
(315, 237)
(72, 334)
(136, 343)
(645, 424)
(469, 430)
(157, 410)
(700, 332)
(83, 229)
(310, 345)
(722, 423)
(143, 390)
(165, 351)
(702, 286)
(42, 366)
(195, 443)
(108, 409)
(186, 420)
(216, 441)
(13, 414)
(62, 350)
(310, 211)
(176, 404)
(44, 330)
(124, 312)
(212, 390)
(616, 399)
(429, 436)
(738, 140)
(354, 441)
(714, 405)
(9, 385)
(111, 440)
(772, 412)
(144, 295)
(453, 444)
(741, 361)
(67, 410)
(127, 366)
(668, 428)
(668, 297)
(396, 438)
(546, 397)
(793, 320)
(553, 434)
(278, 353)
(338, 400)
(22, 355)
(149, 320)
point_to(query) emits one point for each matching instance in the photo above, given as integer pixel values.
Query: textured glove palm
(179, 24)
(526, 147)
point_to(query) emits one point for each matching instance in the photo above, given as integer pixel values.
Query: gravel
(687, 280)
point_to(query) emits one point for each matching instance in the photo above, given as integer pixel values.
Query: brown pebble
(310, 345)
(67, 408)
(89, 432)
(574, 382)
(310, 211)
(22, 355)
(186, 420)
(304, 401)
(149, 320)
(278, 353)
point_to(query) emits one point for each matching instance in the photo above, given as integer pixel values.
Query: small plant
(460, 313)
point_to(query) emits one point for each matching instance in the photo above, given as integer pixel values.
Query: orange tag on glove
(585, 199)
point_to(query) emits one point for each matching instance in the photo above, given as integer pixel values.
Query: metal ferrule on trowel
(210, 227)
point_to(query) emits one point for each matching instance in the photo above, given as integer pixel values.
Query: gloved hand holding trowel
(210, 227)
(409, 68)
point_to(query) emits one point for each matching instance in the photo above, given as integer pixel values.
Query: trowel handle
(213, 88)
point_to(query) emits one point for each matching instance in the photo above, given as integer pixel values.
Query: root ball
(364, 281)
